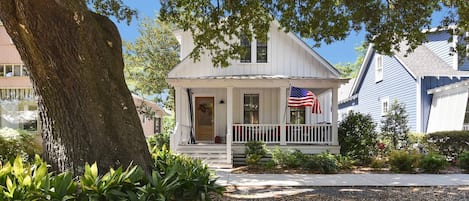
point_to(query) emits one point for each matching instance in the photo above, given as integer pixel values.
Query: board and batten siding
(220, 109)
(285, 57)
(426, 103)
(397, 84)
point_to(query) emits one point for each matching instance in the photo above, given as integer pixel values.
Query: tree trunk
(75, 61)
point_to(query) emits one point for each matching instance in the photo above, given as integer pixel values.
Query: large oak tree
(74, 57)
(388, 23)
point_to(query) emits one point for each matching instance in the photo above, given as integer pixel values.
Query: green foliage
(433, 163)
(175, 178)
(350, 70)
(158, 140)
(389, 26)
(288, 158)
(114, 8)
(149, 59)
(378, 163)
(357, 137)
(463, 160)
(17, 142)
(183, 178)
(325, 163)
(403, 161)
(394, 125)
(254, 151)
(345, 162)
(448, 143)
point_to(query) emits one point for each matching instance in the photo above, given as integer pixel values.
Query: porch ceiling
(258, 81)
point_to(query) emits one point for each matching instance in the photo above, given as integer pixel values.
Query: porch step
(212, 155)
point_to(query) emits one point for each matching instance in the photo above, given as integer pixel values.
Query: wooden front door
(204, 118)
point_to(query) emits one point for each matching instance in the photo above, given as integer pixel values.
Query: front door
(204, 118)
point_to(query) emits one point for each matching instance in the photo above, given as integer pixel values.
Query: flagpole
(286, 106)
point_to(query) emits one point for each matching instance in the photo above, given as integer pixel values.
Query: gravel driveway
(345, 193)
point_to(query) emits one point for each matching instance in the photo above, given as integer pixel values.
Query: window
(261, 51)
(379, 68)
(2, 70)
(17, 70)
(25, 71)
(245, 57)
(297, 115)
(251, 108)
(8, 70)
(384, 106)
(157, 126)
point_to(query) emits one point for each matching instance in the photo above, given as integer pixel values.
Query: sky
(337, 52)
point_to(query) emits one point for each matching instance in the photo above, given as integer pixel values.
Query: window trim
(254, 51)
(305, 113)
(379, 68)
(384, 110)
(157, 124)
(241, 103)
(250, 51)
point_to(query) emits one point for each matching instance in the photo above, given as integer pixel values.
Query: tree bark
(75, 61)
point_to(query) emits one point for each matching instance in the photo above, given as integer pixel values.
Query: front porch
(231, 116)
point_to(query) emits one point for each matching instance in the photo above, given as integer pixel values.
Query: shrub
(449, 143)
(288, 158)
(255, 151)
(158, 140)
(17, 142)
(378, 163)
(394, 125)
(403, 161)
(280, 157)
(344, 162)
(463, 160)
(357, 137)
(433, 163)
(325, 163)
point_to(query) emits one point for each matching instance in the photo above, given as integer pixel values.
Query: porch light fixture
(222, 101)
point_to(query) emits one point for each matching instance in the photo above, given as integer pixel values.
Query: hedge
(449, 143)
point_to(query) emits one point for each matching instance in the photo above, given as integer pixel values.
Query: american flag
(300, 97)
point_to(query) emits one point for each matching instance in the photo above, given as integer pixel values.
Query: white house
(220, 109)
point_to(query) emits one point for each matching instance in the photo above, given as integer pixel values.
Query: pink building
(18, 105)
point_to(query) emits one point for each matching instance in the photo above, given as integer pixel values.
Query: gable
(288, 56)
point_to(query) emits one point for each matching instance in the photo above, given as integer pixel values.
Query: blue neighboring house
(429, 81)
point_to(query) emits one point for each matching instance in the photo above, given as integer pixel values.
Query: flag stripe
(300, 97)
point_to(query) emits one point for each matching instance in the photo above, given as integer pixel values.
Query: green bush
(378, 163)
(158, 140)
(357, 137)
(288, 158)
(403, 161)
(463, 160)
(325, 163)
(433, 163)
(17, 142)
(345, 162)
(255, 151)
(448, 143)
(174, 178)
(394, 125)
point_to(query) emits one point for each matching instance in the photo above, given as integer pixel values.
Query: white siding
(285, 57)
(448, 109)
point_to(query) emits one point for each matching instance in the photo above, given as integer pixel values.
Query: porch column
(335, 110)
(282, 115)
(229, 123)
(175, 137)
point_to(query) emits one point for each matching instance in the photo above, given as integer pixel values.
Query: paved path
(226, 178)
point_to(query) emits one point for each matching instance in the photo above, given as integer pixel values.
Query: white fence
(295, 133)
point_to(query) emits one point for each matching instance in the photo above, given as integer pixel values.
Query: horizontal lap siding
(397, 84)
(438, 44)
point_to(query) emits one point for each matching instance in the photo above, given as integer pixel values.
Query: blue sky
(337, 52)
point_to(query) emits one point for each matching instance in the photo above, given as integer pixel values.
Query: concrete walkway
(226, 178)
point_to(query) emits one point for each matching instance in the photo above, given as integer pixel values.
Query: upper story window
(13, 70)
(157, 126)
(261, 51)
(246, 55)
(379, 68)
(251, 108)
(254, 51)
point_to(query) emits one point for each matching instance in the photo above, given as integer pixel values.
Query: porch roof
(255, 81)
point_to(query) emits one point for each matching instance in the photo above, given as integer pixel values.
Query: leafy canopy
(388, 23)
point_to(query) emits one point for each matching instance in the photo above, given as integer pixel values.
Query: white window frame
(254, 51)
(384, 106)
(379, 68)
(251, 91)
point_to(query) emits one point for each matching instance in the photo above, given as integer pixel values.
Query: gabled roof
(422, 62)
(296, 39)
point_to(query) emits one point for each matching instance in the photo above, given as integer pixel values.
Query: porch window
(261, 51)
(157, 126)
(251, 108)
(297, 115)
(245, 57)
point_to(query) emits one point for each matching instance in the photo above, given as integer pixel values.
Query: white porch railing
(295, 133)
